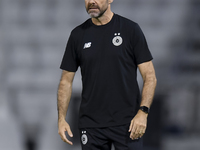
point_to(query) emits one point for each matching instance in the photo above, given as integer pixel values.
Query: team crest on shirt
(84, 138)
(117, 40)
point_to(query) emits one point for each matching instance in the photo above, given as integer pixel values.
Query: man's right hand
(63, 126)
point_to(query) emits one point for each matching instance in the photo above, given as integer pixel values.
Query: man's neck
(104, 19)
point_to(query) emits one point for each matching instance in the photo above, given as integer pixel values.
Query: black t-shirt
(108, 56)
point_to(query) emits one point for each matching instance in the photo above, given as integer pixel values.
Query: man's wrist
(61, 119)
(140, 112)
(144, 109)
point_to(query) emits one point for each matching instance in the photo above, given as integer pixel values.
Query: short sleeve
(70, 58)
(141, 51)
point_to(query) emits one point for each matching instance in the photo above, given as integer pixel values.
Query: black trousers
(103, 138)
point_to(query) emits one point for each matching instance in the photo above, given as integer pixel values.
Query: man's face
(96, 8)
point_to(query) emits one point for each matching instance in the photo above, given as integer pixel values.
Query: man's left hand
(138, 125)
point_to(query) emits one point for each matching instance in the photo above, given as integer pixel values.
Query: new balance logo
(87, 45)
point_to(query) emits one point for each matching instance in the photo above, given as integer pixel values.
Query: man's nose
(91, 1)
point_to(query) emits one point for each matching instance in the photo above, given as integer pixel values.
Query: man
(108, 48)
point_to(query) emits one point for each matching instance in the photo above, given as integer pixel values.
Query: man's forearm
(63, 99)
(139, 122)
(148, 91)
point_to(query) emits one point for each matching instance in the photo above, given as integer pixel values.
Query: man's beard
(95, 14)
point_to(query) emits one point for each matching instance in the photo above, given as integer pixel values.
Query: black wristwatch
(145, 109)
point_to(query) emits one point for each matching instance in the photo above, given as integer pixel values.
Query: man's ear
(110, 1)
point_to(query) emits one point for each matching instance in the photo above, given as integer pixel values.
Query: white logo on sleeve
(87, 45)
(84, 138)
(117, 40)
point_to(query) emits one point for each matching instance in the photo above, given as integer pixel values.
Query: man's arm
(139, 122)
(63, 99)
